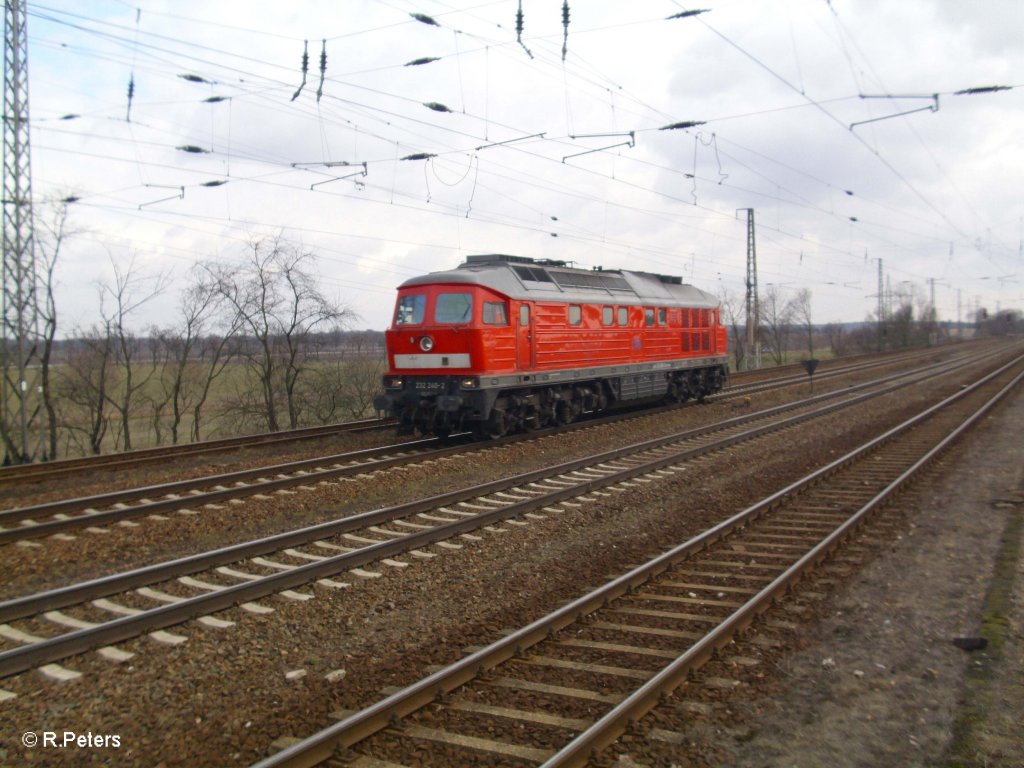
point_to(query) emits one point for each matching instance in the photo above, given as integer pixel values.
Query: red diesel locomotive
(506, 343)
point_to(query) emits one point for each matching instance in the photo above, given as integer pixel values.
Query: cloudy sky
(386, 168)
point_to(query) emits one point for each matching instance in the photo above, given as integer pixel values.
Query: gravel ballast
(225, 695)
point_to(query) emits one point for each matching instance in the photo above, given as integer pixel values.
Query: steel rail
(71, 643)
(256, 480)
(607, 729)
(322, 746)
(104, 586)
(802, 378)
(34, 472)
(242, 482)
(31, 472)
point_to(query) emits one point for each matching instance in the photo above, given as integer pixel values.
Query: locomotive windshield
(453, 308)
(410, 309)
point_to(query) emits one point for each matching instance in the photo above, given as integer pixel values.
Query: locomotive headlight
(470, 382)
(392, 382)
(426, 343)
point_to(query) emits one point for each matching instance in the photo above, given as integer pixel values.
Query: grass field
(90, 402)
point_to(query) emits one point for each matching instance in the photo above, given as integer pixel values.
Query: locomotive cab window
(410, 309)
(662, 317)
(648, 317)
(607, 315)
(495, 313)
(575, 314)
(524, 315)
(453, 308)
(623, 316)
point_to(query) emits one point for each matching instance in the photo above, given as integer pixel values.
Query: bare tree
(836, 334)
(902, 323)
(55, 232)
(928, 323)
(30, 329)
(194, 354)
(799, 308)
(1003, 323)
(343, 389)
(215, 355)
(361, 343)
(130, 291)
(775, 322)
(195, 308)
(308, 309)
(82, 389)
(279, 308)
(733, 312)
(159, 396)
(868, 337)
(362, 382)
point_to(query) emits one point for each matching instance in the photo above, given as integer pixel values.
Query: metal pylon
(753, 349)
(20, 347)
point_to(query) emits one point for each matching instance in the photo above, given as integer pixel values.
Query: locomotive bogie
(498, 405)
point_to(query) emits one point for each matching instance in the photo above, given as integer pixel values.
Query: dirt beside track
(878, 681)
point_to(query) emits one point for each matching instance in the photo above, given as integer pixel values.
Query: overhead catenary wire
(388, 121)
(844, 34)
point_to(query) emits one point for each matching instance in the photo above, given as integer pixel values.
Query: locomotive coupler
(448, 403)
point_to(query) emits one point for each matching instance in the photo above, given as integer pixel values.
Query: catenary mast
(752, 356)
(20, 349)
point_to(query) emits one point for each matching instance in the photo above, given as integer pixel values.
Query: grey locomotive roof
(522, 278)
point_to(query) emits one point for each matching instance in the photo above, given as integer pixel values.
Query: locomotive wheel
(563, 412)
(546, 416)
(493, 428)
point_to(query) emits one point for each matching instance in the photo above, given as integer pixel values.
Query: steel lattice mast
(753, 351)
(20, 306)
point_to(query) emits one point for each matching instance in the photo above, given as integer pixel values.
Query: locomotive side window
(524, 315)
(662, 317)
(648, 317)
(495, 313)
(453, 308)
(575, 314)
(623, 316)
(607, 315)
(410, 309)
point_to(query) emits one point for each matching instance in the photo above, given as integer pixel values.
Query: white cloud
(923, 183)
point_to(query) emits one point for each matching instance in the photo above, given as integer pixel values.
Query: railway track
(109, 508)
(786, 378)
(92, 512)
(566, 686)
(205, 584)
(11, 476)
(22, 473)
